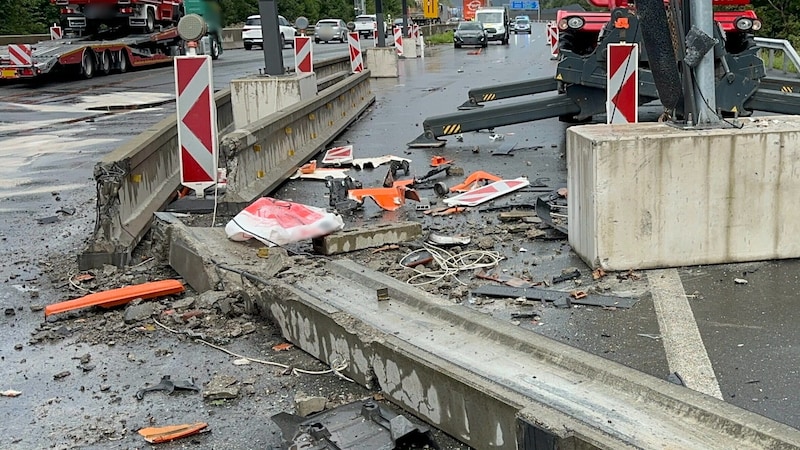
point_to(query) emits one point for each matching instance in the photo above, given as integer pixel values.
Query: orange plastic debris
(157, 435)
(473, 178)
(282, 347)
(116, 297)
(389, 198)
(309, 168)
(437, 161)
(578, 294)
(622, 22)
(445, 211)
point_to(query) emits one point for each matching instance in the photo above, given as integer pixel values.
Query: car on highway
(521, 24)
(470, 33)
(327, 30)
(366, 24)
(251, 32)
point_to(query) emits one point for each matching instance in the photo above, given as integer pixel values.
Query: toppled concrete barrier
(367, 237)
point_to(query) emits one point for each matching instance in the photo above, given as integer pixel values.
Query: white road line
(686, 353)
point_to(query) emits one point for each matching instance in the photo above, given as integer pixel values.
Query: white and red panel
(622, 102)
(303, 55)
(356, 59)
(489, 192)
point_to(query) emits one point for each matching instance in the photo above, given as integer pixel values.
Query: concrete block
(382, 62)
(256, 97)
(651, 195)
(367, 237)
(410, 49)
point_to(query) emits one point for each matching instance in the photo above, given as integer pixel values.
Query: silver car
(522, 25)
(330, 30)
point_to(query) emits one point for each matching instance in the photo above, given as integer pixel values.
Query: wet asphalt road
(50, 140)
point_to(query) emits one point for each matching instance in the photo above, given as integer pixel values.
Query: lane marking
(684, 347)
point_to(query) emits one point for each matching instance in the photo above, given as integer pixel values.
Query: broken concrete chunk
(306, 405)
(137, 313)
(183, 303)
(221, 387)
(209, 298)
(367, 237)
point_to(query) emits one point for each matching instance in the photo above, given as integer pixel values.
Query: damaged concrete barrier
(651, 196)
(486, 382)
(143, 174)
(367, 237)
(260, 156)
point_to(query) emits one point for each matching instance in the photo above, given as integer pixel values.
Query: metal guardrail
(143, 174)
(790, 60)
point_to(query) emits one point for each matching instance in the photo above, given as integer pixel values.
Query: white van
(497, 19)
(251, 32)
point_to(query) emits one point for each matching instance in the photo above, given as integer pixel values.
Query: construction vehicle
(143, 16)
(579, 84)
(114, 49)
(416, 12)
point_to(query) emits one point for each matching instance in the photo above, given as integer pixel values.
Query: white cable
(449, 265)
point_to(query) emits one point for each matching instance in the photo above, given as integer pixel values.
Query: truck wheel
(214, 48)
(248, 46)
(122, 61)
(87, 64)
(104, 65)
(150, 22)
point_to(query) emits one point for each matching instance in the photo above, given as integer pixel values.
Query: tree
(780, 18)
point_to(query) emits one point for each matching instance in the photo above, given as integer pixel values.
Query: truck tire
(248, 46)
(88, 64)
(122, 61)
(214, 48)
(104, 62)
(150, 21)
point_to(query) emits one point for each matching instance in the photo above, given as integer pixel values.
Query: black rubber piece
(660, 51)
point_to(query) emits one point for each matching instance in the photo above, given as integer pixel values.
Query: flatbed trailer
(100, 54)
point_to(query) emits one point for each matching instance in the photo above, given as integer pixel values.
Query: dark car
(470, 33)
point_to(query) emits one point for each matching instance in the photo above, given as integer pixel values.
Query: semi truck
(102, 43)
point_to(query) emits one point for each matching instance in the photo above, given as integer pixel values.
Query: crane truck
(105, 36)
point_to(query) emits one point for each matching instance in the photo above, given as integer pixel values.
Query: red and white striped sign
(339, 155)
(398, 40)
(197, 122)
(356, 60)
(489, 192)
(21, 55)
(622, 100)
(413, 31)
(552, 39)
(303, 55)
(375, 34)
(56, 32)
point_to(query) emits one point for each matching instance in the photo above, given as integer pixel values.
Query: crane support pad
(508, 90)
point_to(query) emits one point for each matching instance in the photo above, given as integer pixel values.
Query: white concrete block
(410, 49)
(256, 97)
(382, 62)
(651, 195)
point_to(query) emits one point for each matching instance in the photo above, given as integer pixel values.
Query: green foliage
(780, 18)
(26, 16)
(441, 38)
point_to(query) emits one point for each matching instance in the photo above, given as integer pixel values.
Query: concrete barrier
(143, 174)
(232, 38)
(23, 38)
(484, 381)
(262, 155)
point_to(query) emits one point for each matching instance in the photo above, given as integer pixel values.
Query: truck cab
(496, 20)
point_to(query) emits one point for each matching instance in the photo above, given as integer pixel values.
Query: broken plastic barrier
(277, 222)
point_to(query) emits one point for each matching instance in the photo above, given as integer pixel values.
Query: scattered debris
(654, 337)
(675, 377)
(383, 294)
(420, 258)
(117, 297)
(241, 362)
(740, 281)
(437, 161)
(138, 312)
(505, 279)
(358, 425)
(629, 275)
(473, 180)
(66, 210)
(10, 393)
(167, 385)
(386, 248)
(61, 375)
(221, 387)
(489, 192)
(389, 199)
(568, 275)
(158, 435)
(47, 220)
(441, 240)
(440, 189)
(311, 172)
(496, 137)
(532, 293)
(515, 215)
(598, 273)
(368, 236)
(338, 156)
(282, 347)
(544, 206)
(337, 193)
(277, 222)
(305, 404)
(505, 149)
(366, 163)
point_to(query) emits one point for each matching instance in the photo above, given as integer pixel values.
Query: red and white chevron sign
(197, 122)
(398, 40)
(339, 155)
(489, 192)
(56, 32)
(356, 60)
(21, 55)
(303, 56)
(375, 34)
(552, 39)
(622, 99)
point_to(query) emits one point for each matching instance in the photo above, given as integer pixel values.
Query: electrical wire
(705, 101)
(334, 368)
(449, 264)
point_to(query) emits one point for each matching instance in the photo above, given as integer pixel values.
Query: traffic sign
(431, 9)
(481, 195)
(622, 101)
(470, 6)
(525, 5)
(197, 122)
(303, 55)
(354, 44)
